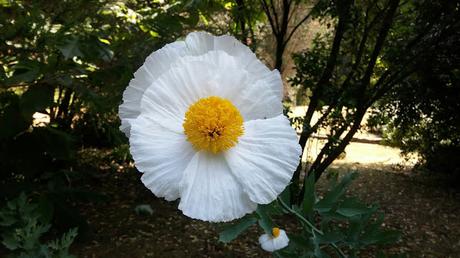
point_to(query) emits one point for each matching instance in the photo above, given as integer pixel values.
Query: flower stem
(313, 228)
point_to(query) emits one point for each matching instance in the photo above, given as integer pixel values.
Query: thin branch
(275, 14)
(296, 27)
(327, 73)
(388, 20)
(341, 147)
(269, 16)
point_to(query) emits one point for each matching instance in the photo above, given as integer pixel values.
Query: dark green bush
(23, 226)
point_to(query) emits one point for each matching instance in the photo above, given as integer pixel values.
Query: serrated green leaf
(7, 219)
(234, 230)
(10, 242)
(66, 240)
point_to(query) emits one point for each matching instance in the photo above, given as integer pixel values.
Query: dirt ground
(421, 207)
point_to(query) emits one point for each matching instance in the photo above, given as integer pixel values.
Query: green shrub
(23, 225)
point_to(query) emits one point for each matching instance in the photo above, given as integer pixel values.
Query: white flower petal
(199, 43)
(251, 94)
(258, 102)
(212, 74)
(155, 65)
(270, 244)
(265, 158)
(170, 96)
(210, 192)
(161, 154)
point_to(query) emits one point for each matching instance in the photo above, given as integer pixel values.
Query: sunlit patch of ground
(363, 153)
(363, 149)
(40, 119)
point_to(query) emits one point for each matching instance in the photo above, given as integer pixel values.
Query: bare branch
(296, 27)
(269, 16)
(275, 14)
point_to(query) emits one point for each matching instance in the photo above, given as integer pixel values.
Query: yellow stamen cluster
(213, 124)
(275, 232)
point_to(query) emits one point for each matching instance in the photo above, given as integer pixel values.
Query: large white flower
(205, 124)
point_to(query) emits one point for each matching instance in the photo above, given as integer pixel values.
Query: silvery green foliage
(22, 226)
(335, 225)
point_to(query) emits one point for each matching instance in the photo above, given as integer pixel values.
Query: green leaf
(10, 242)
(232, 231)
(332, 197)
(66, 240)
(351, 207)
(309, 196)
(375, 234)
(70, 47)
(24, 71)
(7, 218)
(303, 242)
(265, 221)
(329, 237)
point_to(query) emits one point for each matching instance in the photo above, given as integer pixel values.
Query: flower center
(275, 232)
(213, 124)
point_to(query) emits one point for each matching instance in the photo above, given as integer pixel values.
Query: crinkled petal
(199, 43)
(257, 101)
(212, 74)
(155, 65)
(161, 154)
(210, 192)
(236, 72)
(270, 244)
(251, 94)
(170, 96)
(265, 158)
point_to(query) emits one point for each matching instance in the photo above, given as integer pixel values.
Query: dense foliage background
(65, 64)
